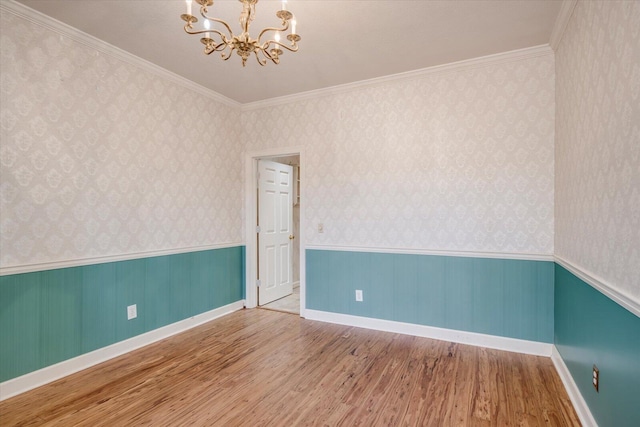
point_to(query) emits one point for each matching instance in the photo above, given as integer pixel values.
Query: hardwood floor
(260, 367)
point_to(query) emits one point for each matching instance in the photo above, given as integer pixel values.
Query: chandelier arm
(226, 57)
(284, 28)
(220, 21)
(263, 62)
(290, 49)
(222, 36)
(266, 53)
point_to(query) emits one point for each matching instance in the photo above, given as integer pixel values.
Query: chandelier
(226, 42)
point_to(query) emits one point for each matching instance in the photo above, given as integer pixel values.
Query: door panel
(285, 209)
(269, 206)
(285, 256)
(275, 219)
(271, 267)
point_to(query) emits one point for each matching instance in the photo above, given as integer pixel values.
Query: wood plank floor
(260, 367)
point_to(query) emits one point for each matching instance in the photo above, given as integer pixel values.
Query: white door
(275, 222)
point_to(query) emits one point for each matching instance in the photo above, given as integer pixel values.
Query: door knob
(291, 237)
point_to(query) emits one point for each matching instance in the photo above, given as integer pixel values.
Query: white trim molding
(483, 61)
(31, 268)
(579, 404)
(601, 285)
(85, 39)
(560, 26)
(462, 337)
(436, 252)
(51, 373)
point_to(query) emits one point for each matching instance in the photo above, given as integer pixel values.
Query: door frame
(251, 222)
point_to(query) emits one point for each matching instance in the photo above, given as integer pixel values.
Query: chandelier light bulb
(207, 26)
(189, 6)
(293, 26)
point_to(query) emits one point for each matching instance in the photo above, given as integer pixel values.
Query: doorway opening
(274, 265)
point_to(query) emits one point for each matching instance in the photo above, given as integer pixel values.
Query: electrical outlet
(320, 228)
(596, 378)
(132, 311)
(358, 295)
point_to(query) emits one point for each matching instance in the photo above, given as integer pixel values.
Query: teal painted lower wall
(590, 328)
(50, 316)
(503, 297)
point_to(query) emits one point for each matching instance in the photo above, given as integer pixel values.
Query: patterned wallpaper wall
(598, 143)
(99, 157)
(462, 160)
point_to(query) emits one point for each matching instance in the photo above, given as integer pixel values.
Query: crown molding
(600, 285)
(467, 64)
(31, 15)
(562, 21)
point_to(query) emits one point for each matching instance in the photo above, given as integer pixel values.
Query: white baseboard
(51, 373)
(462, 337)
(579, 404)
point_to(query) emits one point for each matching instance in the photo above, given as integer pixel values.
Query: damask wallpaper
(460, 160)
(99, 157)
(598, 143)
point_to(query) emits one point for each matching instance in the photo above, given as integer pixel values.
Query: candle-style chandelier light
(216, 40)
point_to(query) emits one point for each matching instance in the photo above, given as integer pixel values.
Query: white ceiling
(342, 41)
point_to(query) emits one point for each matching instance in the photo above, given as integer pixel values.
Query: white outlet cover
(358, 295)
(132, 311)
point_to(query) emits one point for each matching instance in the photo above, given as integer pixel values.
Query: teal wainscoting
(503, 297)
(590, 328)
(50, 316)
